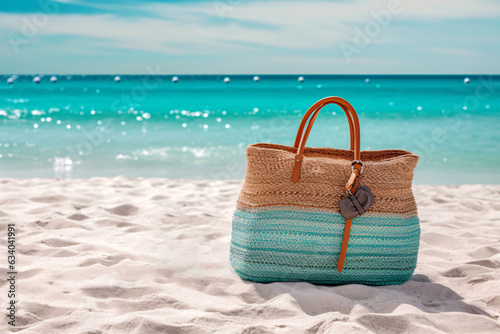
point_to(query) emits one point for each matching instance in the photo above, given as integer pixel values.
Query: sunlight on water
(198, 126)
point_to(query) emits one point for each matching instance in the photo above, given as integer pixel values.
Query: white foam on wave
(171, 153)
(37, 112)
(197, 152)
(63, 166)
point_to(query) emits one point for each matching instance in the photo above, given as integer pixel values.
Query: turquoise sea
(198, 128)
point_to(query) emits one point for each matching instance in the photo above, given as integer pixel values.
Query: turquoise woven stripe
(284, 244)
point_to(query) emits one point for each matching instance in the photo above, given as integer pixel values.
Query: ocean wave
(184, 153)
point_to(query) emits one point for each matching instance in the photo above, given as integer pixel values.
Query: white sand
(152, 256)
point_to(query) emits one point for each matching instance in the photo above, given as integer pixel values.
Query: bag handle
(298, 137)
(355, 136)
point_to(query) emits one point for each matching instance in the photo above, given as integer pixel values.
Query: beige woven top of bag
(324, 171)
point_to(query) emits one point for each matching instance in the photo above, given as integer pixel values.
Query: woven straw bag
(288, 226)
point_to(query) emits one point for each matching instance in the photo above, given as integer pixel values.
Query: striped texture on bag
(283, 231)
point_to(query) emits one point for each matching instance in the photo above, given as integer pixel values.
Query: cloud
(190, 26)
(455, 52)
(295, 30)
(445, 10)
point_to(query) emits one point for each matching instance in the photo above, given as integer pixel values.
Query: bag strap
(355, 136)
(357, 165)
(345, 242)
(298, 137)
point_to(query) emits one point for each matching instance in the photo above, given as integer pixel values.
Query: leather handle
(314, 110)
(300, 131)
(352, 117)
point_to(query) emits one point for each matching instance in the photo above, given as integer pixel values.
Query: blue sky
(247, 37)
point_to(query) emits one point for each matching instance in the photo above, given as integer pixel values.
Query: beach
(151, 153)
(151, 255)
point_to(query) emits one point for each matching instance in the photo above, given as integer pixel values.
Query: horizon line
(247, 74)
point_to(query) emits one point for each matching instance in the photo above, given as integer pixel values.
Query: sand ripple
(120, 255)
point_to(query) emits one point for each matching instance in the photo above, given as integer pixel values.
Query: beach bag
(324, 215)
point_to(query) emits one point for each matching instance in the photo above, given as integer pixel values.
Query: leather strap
(345, 238)
(345, 241)
(314, 110)
(356, 170)
(298, 137)
(352, 183)
(358, 205)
